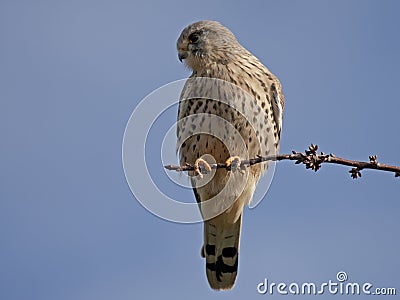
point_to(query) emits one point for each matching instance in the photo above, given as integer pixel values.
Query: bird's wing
(278, 103)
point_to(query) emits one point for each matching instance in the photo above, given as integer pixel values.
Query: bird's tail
(221, 251)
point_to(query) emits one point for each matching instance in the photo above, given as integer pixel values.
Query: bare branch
(310, 158)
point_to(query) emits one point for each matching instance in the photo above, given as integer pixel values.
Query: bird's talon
(201, 165)
(235, 162)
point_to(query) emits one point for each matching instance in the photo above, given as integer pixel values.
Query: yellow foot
(235, 163)
(200, 165)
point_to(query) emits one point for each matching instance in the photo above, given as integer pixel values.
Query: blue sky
(73, 71)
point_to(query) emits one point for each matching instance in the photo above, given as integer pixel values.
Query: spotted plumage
(230, 109)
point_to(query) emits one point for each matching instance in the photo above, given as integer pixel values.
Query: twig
(310, 158)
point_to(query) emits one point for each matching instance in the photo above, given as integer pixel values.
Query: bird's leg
(200, 165)
(234, 162)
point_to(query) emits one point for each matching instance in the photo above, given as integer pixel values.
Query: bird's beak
(182, 55)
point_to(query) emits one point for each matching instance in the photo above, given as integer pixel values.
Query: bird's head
(206, 42)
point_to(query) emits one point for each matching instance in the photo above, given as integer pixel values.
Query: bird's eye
(194, 38)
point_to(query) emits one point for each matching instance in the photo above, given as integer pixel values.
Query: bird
(230, 109)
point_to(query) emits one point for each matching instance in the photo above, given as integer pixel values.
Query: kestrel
(230, 109)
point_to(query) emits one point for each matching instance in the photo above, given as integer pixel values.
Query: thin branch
(310, 158)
